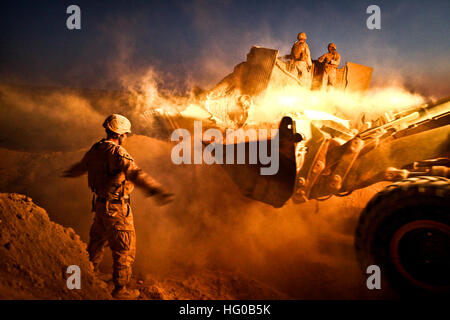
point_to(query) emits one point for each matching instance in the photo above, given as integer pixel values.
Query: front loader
(405, 229)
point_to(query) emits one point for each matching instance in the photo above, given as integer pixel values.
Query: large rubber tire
(405, 230)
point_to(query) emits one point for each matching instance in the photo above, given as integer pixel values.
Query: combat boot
(124, 293)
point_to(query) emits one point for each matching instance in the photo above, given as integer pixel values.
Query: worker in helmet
(112, 174)
(330, 62)
(301, 60)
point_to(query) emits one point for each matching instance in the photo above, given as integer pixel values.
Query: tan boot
(124, 293)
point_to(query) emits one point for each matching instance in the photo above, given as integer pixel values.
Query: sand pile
(35, 253)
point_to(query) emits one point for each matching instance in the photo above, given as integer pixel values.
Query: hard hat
(117, 124)
(332, 45)
(301, 36)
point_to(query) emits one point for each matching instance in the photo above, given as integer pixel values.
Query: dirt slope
(35, 253)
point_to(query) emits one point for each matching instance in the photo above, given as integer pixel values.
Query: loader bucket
(271, 189)
(356, 77)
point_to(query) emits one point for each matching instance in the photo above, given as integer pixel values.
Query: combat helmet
(117, 124)
(301, 36)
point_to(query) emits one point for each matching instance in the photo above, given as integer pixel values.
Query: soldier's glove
(163, 198)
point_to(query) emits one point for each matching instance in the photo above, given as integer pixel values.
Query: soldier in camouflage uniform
(112, 174)
(301, 60)
(330, 61)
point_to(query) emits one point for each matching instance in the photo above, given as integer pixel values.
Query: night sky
(199, 42)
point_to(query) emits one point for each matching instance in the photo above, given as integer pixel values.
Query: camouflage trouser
(303, 75)
(329, 78)
(113, 225)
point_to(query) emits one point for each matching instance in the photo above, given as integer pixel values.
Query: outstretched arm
(76, 170)
(149, 185)
(142, 180)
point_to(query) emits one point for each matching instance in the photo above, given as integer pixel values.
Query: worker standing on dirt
(330, 61)
(112, 174)
(301, 60)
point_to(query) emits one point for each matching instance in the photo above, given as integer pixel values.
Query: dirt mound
(35, 253)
